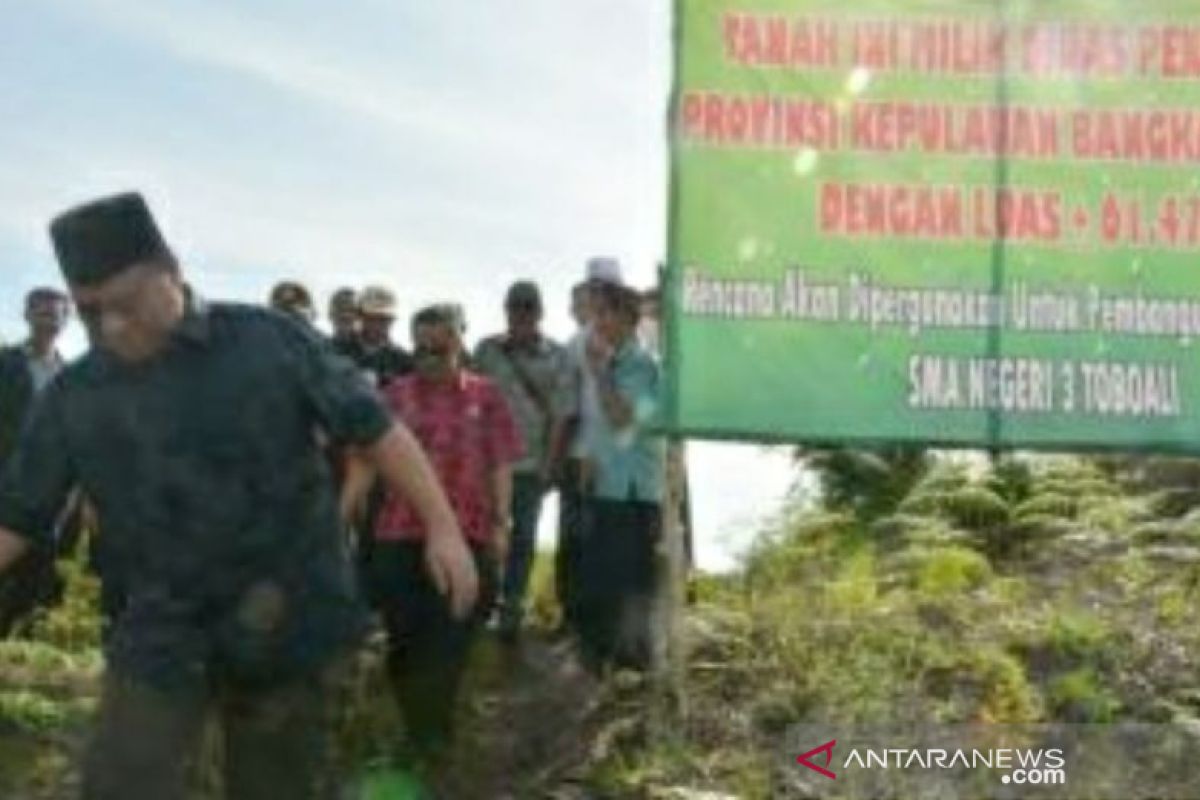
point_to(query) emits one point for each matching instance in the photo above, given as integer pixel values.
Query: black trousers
(528, 492)
(276, 740)
(364, 541)
(427, 647)
(572, 511)
(618, 570)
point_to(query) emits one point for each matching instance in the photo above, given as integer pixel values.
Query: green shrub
(975, 507)
(541, 598)
(855, 589)
(1048, 504)
(1010, 478)
(1077, 635)
(1026, 531)
(894, 528)
(925, 502)
(793, 552)
(1079, 696)
(1112, 515)
(74, 624)
(938, 534)
(945, 476)
(33, 712)
(951, 571)
(983, 684)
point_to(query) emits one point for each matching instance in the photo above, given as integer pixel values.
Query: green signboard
(953, 222)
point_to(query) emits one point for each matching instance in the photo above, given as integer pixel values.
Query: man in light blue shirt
(618, 552)
(627, 461)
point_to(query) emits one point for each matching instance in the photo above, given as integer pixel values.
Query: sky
(443, 149)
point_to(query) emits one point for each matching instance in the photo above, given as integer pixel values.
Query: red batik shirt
(467, 430)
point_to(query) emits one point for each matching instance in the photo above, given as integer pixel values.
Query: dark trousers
(527, 494)
(617, 582)
(427, 647)
(276, 740)
(571, 522)
(364, 541)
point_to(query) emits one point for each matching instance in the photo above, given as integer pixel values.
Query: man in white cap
(604, 269)
(599, 271)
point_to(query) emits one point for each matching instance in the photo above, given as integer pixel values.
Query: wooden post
(668, 656)
(671, 666)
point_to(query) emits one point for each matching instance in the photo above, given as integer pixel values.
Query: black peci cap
(99, 239)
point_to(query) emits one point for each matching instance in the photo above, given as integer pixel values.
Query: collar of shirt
(457, 383)
(53, 357)
(194, 326)
(370, 348)
(535, 347)
(625, 349)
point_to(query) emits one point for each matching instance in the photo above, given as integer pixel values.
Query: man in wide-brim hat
(191, 426)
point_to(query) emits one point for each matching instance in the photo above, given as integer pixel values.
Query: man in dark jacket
(25, 370)
(193, 429)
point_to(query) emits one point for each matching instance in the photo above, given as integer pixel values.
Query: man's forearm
(356, 483)
(12, 547)
(405, 468)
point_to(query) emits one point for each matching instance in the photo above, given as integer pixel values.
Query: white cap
(606, 269)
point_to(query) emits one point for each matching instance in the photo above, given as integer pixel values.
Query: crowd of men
(233, 458)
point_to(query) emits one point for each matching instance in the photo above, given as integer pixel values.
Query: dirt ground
(529, 718)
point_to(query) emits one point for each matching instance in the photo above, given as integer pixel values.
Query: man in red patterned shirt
(463, 422)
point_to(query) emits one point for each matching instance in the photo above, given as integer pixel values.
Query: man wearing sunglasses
(533, 372)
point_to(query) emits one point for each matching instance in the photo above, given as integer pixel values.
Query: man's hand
(599, 354)
(12, 547)
(452, 569)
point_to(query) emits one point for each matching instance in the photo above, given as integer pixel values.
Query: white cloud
(562, 132)
(565, 144)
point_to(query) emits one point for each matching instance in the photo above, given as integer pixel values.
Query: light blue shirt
(629, 462)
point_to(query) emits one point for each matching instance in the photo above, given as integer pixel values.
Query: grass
(957, 606)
